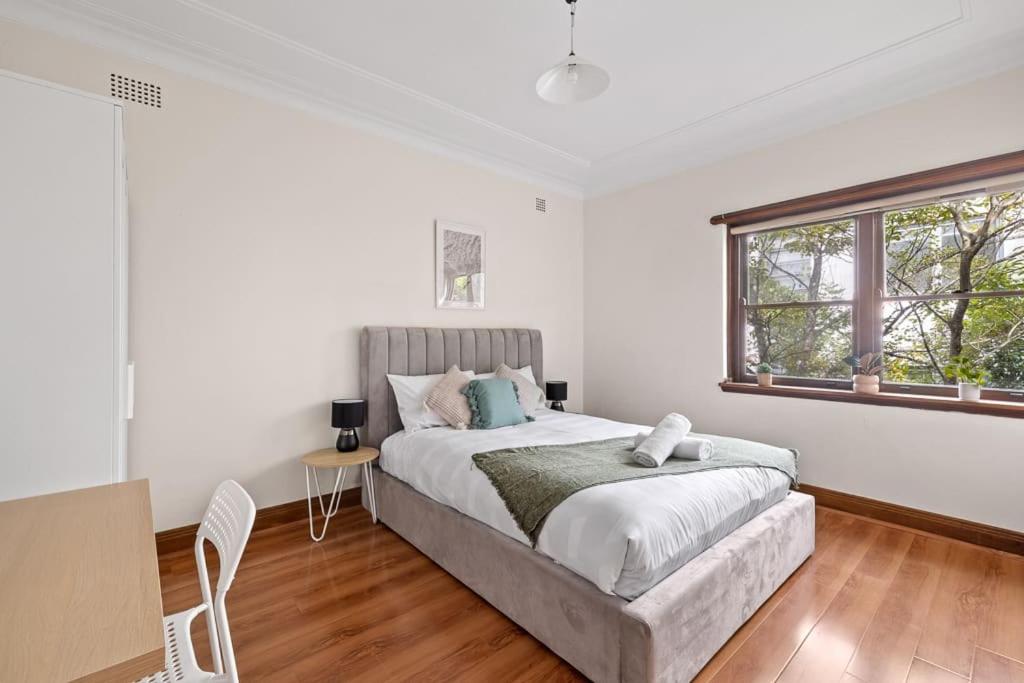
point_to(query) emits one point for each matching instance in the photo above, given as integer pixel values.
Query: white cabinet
(63, 261)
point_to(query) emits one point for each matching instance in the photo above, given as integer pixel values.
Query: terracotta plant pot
(764, 379)
(865, 384)
(969, 391)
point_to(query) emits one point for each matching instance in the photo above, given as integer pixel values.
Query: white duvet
(624, 537)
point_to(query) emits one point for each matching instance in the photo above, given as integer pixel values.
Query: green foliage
(963, 369)
(959, 246)
(764, 369)
(970, 245)
(896, 369)
(1006, 366)
(809, 342)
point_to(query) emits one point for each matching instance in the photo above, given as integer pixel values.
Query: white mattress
(623, 537)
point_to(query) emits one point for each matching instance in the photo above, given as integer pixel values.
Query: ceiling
(692, 82)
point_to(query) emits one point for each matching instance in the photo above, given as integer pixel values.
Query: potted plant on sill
(969, 377)
(764, 374)
(866, 370)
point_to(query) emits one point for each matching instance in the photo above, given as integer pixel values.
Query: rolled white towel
(655, 449)
(690, 448)
(693, 448)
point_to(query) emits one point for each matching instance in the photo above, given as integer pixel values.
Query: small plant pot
(969, 391)
(764, 379)
(865, 384)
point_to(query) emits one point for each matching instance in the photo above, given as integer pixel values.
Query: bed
(616, 604)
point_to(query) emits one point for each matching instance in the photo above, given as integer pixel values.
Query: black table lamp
(557, 392)
(346, 415)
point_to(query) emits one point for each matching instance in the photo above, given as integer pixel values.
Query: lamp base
(557, 405)
(348, 441)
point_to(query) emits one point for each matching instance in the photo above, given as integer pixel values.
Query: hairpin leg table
(328, 459)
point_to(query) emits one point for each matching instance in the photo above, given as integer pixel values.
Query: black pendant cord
(572, 28)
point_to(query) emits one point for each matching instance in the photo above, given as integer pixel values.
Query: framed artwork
(459, 264)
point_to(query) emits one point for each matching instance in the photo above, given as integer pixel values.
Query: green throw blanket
(534, 480)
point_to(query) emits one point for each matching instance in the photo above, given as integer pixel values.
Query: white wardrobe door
(59, 204)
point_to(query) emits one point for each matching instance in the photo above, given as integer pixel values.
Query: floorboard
(992, 668)
(875, 603)
(887, 649)
(829, 647)
(922, 671)
(961, 609)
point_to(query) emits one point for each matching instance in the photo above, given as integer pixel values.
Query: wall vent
(542, 205)
(132, 90)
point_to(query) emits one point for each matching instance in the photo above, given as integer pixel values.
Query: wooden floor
(874, 603)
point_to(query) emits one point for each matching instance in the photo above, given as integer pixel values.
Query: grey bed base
(667, 634)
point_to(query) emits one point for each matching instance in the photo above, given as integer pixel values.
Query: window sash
(868, 303)
(956, 296)
(801, 304)
(989, 172)
(813, 381)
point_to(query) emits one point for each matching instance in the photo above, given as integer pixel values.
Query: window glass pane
(966, 245)
(809, 263)
(921, 337)
(801, 342)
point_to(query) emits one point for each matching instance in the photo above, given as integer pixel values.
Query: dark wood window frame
(869, 290)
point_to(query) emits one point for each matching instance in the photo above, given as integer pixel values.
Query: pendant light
(573, 79)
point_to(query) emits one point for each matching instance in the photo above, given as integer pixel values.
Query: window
(954, 286)
(799, 288)
(924, 285)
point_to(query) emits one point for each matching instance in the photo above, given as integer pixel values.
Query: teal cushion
(494, 403)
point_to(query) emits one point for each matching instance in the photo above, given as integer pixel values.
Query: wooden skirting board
(931, 522)
(184, 537)
(940, 525)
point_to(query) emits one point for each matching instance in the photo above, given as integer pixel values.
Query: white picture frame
(460, 266)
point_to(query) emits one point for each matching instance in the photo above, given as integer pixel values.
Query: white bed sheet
(623, 537)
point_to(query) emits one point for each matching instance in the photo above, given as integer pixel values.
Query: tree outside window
(950, 284)
(954, 284)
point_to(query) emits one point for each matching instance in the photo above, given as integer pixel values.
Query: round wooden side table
(331, 458)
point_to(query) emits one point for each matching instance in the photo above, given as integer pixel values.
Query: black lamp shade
(348, 413)
(557, 391)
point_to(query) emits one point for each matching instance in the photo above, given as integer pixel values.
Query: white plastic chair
(226, 524)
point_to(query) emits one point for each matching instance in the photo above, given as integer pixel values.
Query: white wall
(655, 306)
(262, 240)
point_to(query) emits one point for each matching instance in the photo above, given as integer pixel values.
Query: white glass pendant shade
(572, 80)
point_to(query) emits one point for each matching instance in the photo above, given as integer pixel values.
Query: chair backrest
(226, 524)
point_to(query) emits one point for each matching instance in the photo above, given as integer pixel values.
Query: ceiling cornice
(496, 148)
(962, 17)
(375, 78)
(956, 68)
(313, 81)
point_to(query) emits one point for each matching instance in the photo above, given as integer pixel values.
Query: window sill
(999, 408)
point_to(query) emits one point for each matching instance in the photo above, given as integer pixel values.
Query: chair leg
(332, 507)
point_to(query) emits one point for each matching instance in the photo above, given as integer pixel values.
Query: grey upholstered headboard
(429, 351)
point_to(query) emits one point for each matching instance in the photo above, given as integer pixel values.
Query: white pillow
(529, 394)
(526, 372)
(411, 395)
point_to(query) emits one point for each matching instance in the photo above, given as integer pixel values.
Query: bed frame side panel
(667, 634)
(563, 611)
(670, 632)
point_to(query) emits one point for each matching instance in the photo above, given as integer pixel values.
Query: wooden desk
(80, 586)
